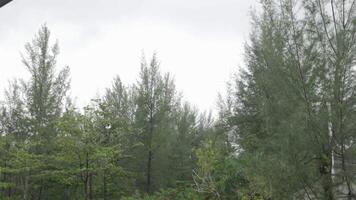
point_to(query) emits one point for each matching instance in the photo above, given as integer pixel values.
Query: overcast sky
(199, 41)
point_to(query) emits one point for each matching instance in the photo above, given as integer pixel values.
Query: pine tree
(155, 99)
(287, 104)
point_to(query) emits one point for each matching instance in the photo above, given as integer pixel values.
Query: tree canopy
(284, 130)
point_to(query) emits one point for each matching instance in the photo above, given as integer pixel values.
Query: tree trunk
(149, 166)
(105, 193)
(25, 188)
(86, 191)
(90, 186)
(86, 179)
(149, 160)
(326, 176)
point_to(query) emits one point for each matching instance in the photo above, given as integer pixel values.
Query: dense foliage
(285, 129)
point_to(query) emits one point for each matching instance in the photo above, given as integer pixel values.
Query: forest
(285, 129)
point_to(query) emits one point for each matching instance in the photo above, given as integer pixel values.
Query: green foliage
(134, 138)
(185, 193)
(284, 131)
(281, 109)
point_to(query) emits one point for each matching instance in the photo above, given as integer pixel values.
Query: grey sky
(199, 41)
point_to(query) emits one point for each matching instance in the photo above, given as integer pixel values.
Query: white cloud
(200, 42)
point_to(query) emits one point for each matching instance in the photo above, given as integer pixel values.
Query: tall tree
(290, 101)
(31, 109)
(45, 92)
(156, 101)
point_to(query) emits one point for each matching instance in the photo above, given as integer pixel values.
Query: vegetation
(285, 130)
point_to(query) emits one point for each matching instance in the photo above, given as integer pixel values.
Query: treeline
(134, 139)
(285, 130)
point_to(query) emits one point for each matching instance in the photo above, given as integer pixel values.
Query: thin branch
(334, 18)
(325, 28)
